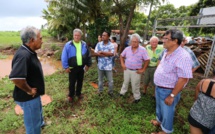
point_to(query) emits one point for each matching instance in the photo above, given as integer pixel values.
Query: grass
(12, 38)
(94, 114)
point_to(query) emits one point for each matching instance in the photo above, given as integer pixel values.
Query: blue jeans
(113, 61)
(109, 76)
(165, 113)
(33, 118)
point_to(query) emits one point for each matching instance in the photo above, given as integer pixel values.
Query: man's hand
(33, 92)
(123, 66)
(67, 70)
(86, 68)
(169, 100)
(140, 71)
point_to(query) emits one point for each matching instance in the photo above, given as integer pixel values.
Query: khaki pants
(131, 75)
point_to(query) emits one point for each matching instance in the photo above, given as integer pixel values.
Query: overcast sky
(17, 14)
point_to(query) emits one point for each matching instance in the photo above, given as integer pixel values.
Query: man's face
(168, 42)
(38, 42)
(105, 36)
(134, 42)
(154, 43)
(77, 37)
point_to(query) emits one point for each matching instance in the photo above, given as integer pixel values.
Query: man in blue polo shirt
(27, 75)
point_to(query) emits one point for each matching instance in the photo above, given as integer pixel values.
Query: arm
(178, 87)
(122, 61)
(64, 59)
(22, 84)
(198, 89)
(143, 69)
(194, 69)
(107, 54)
(89, 60)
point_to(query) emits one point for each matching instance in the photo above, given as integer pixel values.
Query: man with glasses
(171, 75)
(195, 61)
(132, 59)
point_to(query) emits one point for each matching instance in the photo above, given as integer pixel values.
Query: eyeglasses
(166, 39)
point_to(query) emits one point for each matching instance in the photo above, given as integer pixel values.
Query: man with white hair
(76, 60)
(132, 59)
(154, 50)
(27, 75)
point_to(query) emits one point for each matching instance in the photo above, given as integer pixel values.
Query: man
(192, 41)
(171, 75)
(154, 50)
(195, 61)
(132, 59)
(105, 50)
(76, 60)
(27, 75)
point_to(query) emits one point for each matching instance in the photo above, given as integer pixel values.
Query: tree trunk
(147, 24)
(124, 33)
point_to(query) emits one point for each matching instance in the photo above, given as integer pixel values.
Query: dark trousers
(76, 77)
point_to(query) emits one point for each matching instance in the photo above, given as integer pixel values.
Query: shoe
(43, 125)
(111, 94)
(121, 95)
(136, 101)
(143, 93)
(153, 97)
(80, 96)
(70, 99)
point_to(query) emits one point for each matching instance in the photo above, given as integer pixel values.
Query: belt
(165, 87)
(152, 66)
(132, 69)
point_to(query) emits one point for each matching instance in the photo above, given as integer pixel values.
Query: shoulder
(142, 48)
(68, 43)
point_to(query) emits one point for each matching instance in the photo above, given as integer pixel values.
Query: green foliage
(54, 47)
(3, 56)
(8, 39)
(58, 54)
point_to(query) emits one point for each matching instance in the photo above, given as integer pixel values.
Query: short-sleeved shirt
(172, 67)
(105, 63)
(26, 65)
(134, 60)
(154, 55)
(193, 57)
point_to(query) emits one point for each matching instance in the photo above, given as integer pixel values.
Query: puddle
(49, 66)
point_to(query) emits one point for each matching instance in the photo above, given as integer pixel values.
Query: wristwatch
(172, 95)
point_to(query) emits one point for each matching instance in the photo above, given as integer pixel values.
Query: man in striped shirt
(171, 75)
(132, 59)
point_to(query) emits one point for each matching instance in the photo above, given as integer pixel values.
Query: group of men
(169, 73)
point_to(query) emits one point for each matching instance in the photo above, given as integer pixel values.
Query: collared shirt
(26, 65)
(154, 55)
(172, 67)
(105, 63)
(193, 56)
(195, 62)
(134, 60)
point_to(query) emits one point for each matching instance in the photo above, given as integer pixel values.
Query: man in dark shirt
(27, 75)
